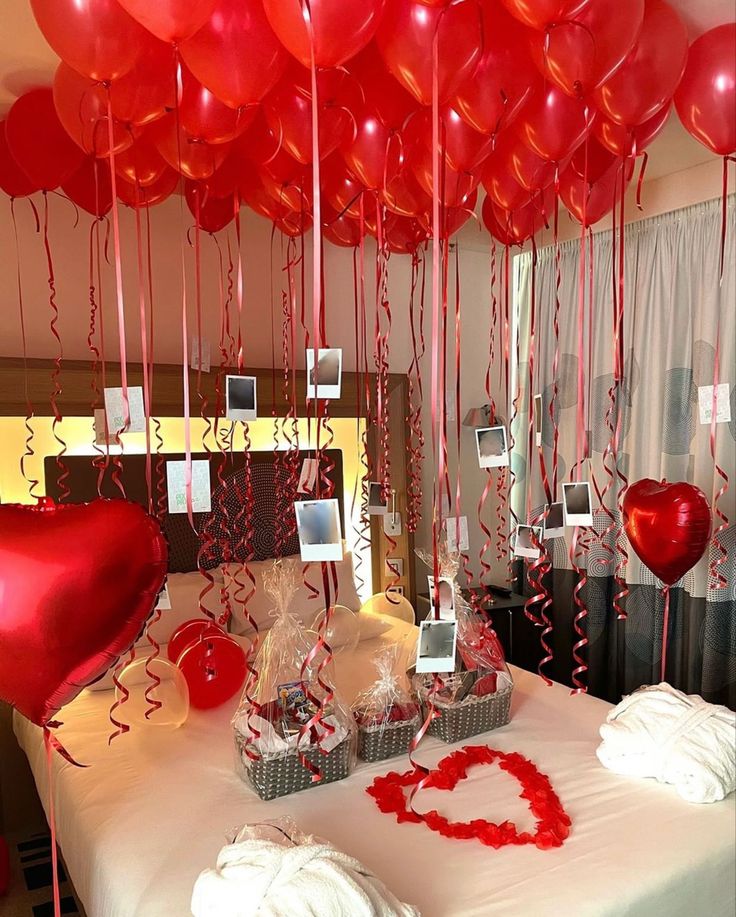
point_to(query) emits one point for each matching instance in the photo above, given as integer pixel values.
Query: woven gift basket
(276, 736)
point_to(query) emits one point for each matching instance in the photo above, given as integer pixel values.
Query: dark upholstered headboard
(273, 497)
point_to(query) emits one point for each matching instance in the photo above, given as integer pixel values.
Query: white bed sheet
(138, 826)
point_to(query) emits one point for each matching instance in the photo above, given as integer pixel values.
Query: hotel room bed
(152, 811)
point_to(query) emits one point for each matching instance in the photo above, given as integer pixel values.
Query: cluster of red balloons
(211, 661)
(536, 97)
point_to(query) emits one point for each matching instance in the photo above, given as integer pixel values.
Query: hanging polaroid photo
(538, 419)
(524, 541)
(554, 524)
(436, 646)
(393, 567)
(453, 524)
(164, 599)
(308, 476)
(176, 486)
(320, 534)
(115, 409)
(492, 449)
(240, 398)
(200, 358)
(578, 506)
(705, 403)
(326, 379)
(377, 505)
(446, 593)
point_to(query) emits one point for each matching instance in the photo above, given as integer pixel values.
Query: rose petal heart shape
(668, 525)
(77, 585)
(553, 823)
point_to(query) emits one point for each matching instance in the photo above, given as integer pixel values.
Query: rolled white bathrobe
(674, 737)
(269, 879)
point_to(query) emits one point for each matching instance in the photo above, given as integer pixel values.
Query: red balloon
(62, 626)
(591, 161)
(540, 13)
(341, 190)
(464, 148)
(193, 158)
(706, 97)
(141, 162)
(81, 105)
(224, 181)
(340, 28)
(403, 235)
(493, 225)
(188, 633)
(504, 77)
(148, 90)
(531, 171)
(372, 155)
(521, 224)
(253, 192)
(382, 94)
(500, 184)
(455, 186)
(90, 187)
(293, 223)
(203, 117)
(553, 125)
(339, 229)
(629, 141)
(236, 54)
(288, 111)
(172, 21)
(652, 70)
(95, 37)
(405, 40)
(212, 213)
(404, 195)
(451, 218)
(214, 669)
(150, 195)
(581, 53)
(590, 201)
(38, 142)
(13, 179)
(668, 525)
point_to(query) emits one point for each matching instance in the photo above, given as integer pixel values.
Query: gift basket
(387, 716)
(278, 750)
(476, 697)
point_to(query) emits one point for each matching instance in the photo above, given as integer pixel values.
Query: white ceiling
(27, 61)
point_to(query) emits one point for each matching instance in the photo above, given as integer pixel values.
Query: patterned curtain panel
(674, 303)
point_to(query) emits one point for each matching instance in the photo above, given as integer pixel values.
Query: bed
(153, 810)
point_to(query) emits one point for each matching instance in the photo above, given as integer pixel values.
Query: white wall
(70, 248)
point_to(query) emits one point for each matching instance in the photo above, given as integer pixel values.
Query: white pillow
(303, 603)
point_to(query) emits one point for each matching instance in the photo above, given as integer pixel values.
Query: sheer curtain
(674, 303)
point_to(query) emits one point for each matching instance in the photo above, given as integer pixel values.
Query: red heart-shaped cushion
(77, 584)
(668, 526)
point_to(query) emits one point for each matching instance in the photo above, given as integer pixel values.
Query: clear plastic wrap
(476, 697)
(386, 713)
(270, 740)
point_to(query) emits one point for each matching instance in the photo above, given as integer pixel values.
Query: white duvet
(154, 809)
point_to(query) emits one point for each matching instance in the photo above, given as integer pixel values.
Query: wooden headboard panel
(226, 523)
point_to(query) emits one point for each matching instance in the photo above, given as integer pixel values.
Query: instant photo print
(436, 646)
(377, 505)
(578, 506)
(318, 525)
(524, 541)
(325, 381)
(492, 447)
(446, 592)
(554, 524)
(240, 398)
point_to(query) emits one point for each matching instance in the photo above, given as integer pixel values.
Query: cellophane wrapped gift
(386, 714)
(270, 741)
(476, 697)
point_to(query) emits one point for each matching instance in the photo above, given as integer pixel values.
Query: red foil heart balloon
(668, 526)
(77, 585)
